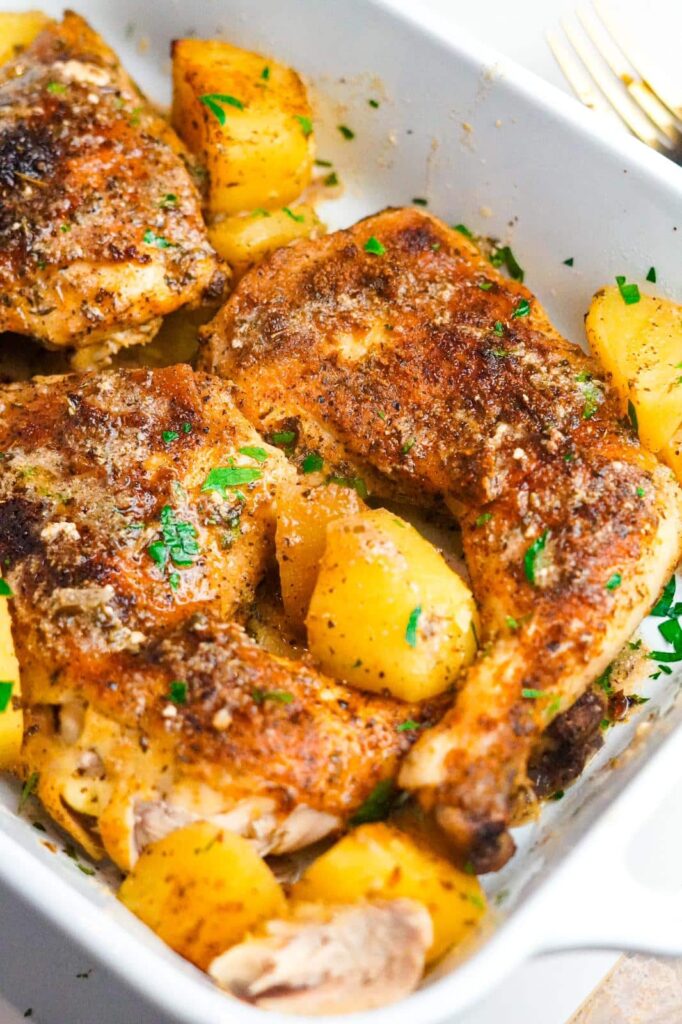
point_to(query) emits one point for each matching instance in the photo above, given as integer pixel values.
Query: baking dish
(490, 146)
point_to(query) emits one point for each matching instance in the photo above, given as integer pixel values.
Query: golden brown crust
(87, 169)
(88, 466)
(432, 376)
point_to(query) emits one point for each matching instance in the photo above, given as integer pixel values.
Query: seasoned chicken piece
(136, 517)
(396, 351)
(331, 959)
(101, 233)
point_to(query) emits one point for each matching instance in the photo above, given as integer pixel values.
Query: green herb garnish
(312, 463)
(603, 682)
(374, 246)
(356, 483)
(409, 726)
(505, 257)
(591, 393)
(265, 73)
(177, 692)
(632, 416)
(5, 589)
(484, 518)
(663, 606)
(614, 582)
(5, 695)
(167, 436)
(216, 101)
(629, 292)
(522, 308)
(283, 438)
(168, 202)
(331, 180)
(151, 238)
(56, 88)
(568, 262)
(373, 103)
(498, 328)
(485, 286)
(463, 230)
(222, 477)
(378, 804)
(254, 451)
(531, 556)
(651, 275)
(174, 580)
(278, 696)
(179, 541)
(323, 163)
(420, 201)
(28, 789)
(409, 445)
(530, 694)
(347, 132)
(298, 217)
(411, 628)
(305, 123)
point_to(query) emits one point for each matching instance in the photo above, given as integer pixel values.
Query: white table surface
(39, 968)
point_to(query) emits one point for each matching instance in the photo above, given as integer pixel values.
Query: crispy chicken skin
(402, 369)
(129, 580)
(101, 231)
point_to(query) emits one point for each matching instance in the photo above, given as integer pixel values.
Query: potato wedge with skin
(303, 514)
(17, 31)
(387, 613)
(248, 120)
(201, 889)
(246, 239)
(11, 714)
(640, 347)
(380, 862)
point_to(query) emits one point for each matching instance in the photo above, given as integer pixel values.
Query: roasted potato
(17, 31)
(11, 715)
(246, 239)
(201, 889)
(387, 613)
(381, 862)
(303, 515)
(247, 119)
(671, 453)
(640, 347)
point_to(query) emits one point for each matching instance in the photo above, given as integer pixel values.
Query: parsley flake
(167, 436)
(463, 230)
(568, 262)
(347, 132)
(278, 696)
(420, 201)
(223, 477)
(408, 446)
(28, 790)
(614, 582)
(374, 246)
(179, 542)
(305, 123)
(216, 101)
(531, 556)
(5, 695)
(151, 238)
(177, 692)
(356, 483)
(373, 103)
(312, 463)
(265, 73)
(378, 804)
(187, 428)
(591, 393)
(530, 694)
(629, 292)
(283, 438)
(331, 180)
(168, 202)
(56, 88)
(484, 518)
(663, 606)
(408, 726)
(254, 451)
(411, 628)
(498, 328)
(503, 256)
(651, 275)
(298, 217)
(522, 308)
(5, 589)
(632, 416)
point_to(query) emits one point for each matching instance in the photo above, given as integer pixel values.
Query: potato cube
(201, 889)
(246, 239)
(247, 119)
(387, 613)
(640, 346)
(380, 862)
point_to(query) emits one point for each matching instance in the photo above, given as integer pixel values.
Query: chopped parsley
(498, 328)
(323, 163)
(373, 103)
(671, 631)
(484, 518)
(283, 438)
(632, 416)
(229, 476)
(56, 88)
(187, 428)
(420, 201)
(485, 286)
(174, 580)
(254, 451)
(179, 542)
(568, 262)
(663, 606)
(531, 556)
(5, 589)
(629, 292)
(530, 694)
(651, 275)
(217, 101)
(522, 308)
(265, 74)
(503, 256)
(408, 726)
(640, 492)
(614, 582)
(356, 483)
(305, 123)
(28, 789)
(177, 692)
(260, 212)
(168, 436)
(5, 695)
(411, 628)
(278, 696)
(511, 622)
(347, 132)
(331, 180)
(558, 795)
(151, 238)
(374, 246)
(409, 445)
(603, 682)
(312, 463)
(169, 201)
(463, 230)
(591, 393)
(298, 217)
(378, 804)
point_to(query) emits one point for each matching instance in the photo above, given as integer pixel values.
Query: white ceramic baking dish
(494, 147)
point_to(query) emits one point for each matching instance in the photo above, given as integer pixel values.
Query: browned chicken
(396, 351)
(101, 233)
(136, 517)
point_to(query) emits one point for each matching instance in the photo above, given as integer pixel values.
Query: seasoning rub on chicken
(399, 354)
(136, 518)
(101, 233)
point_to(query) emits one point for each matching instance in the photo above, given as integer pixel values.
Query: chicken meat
(396, 351)
(136, 518)
(101, 233)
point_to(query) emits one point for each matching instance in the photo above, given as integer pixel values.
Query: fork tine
(578, 79)
(628, 112)
(668, 89)
(625, 71)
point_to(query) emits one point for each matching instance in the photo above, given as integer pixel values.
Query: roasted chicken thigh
(101, 233)
(136, 517)
(397, 352)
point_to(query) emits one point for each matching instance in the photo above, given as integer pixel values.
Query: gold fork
(608, 76)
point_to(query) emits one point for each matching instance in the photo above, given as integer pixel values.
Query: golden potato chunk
(248, 120)
(387, 613)
(640, 347)
(246, 239)
(11, 715)
(201, 889)
(303, 514)
(380, 862)
(17, 31)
